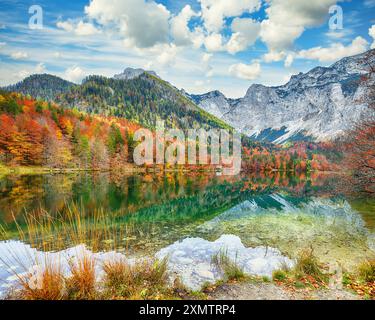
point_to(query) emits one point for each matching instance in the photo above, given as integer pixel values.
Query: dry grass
(366, 271)
(230, 268)
(81, 285)
(49, 285)
(308, 273)
(308, 265)
(144, 279)
(362, 282)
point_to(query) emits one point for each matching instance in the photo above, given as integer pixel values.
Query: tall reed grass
(78, 278)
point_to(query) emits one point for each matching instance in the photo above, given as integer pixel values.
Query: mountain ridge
(320, 104)
(139, 96)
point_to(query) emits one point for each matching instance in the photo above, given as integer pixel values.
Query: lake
(276, 210)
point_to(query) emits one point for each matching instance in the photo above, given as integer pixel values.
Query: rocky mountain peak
(132, 73)
(321, 104)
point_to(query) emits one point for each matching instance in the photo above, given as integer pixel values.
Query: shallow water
(187, 216)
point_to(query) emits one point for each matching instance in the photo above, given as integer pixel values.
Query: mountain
(137, 95)
(131, 73)
(319, 105)
(45, 86)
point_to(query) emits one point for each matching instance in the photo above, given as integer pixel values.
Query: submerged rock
(191, 259)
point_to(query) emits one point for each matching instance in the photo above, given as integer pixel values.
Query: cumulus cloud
(245, 32)
(179, 27)
(19, 55)
(214, 42)
(336, 51)
(371, 32)
(38, 69)
(168, 55)
(289, 60)
(65, 25)
(144, 23)
(245, 71)
(74, 74)
(215, 11)
(287, 20)
(80, 29)
(160, 56)
(274, 56)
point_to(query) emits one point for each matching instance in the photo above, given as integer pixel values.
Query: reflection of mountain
(332, 228)
(278, 204)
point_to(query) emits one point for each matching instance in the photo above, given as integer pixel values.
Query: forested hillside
(44, 86)
(142, 100)
(37, 133)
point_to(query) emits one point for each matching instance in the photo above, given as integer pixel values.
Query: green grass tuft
(230, 269)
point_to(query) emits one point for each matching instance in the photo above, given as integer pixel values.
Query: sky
(197, 45)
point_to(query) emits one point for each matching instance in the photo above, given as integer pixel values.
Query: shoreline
(26, 170)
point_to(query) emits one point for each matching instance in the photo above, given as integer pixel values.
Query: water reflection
(283, 211)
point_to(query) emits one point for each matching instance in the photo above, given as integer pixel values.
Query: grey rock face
(131, 73)
(321, 104)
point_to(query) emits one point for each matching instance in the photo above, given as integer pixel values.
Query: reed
(230, 269)
(77, 278)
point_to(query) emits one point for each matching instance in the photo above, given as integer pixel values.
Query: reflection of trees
(19, 193)
(160, 194)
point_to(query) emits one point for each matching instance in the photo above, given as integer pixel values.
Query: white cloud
(206, 57)
(85, 29)
(208, 69)
(279, 37)
(74, 74)
(336, 51)
(23, 74)
(244, 71)
(371, 32)
(65, 25)
(215, 11)
(287, 20)
(168, 55)
(80, 29)
(289, 60)
(40, 68)
(57, 55)
(339, 34)
(19, 55)
(179, 26)
(245, 32)
(214, 42)
(273, 56)
(144, 23)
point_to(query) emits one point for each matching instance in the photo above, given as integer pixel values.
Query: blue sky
(196, 45)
